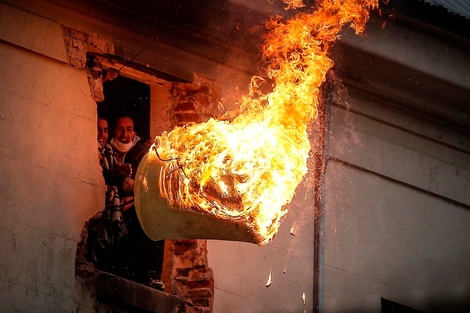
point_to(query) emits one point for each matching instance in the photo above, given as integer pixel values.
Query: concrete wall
(396, 203)
(241, 270)
(51, 182)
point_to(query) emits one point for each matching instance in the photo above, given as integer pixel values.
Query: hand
(128, 185)
(127, 203)
(124, 169)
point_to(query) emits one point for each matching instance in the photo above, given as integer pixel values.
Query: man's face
(102, 132)
(124, 130)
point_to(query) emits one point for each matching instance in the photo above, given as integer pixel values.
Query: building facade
(382, 216)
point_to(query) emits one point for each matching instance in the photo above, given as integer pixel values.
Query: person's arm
(113, 178)
(135, 155)
(128, 185)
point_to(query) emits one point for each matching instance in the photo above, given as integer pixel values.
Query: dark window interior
(129, 254)
(125, 95)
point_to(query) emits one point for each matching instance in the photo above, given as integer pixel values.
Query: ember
(245, 171)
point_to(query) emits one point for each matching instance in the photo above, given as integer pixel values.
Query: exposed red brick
(201, 302)
(184, 272)
(192, 277)
(185, 105)
(186, 118)
(207, 283)
(200, 293)
(200, 274)
(198, 309)
(188, 274)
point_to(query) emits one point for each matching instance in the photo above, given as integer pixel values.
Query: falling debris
(303, 298)
(269, 282)
(292, 231)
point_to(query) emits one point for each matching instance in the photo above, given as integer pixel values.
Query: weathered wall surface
(396, 202)
(51, 182)
(241, 270)
(384, 235)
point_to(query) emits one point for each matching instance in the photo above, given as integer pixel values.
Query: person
(112, 173)
(127, 151)
(103, 133)
(138, 257)
(108, 229)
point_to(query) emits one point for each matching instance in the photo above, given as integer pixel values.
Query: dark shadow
(125, 95)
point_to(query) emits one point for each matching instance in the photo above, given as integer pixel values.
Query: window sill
(130, 294)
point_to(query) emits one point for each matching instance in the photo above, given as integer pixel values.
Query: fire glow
(246, 170)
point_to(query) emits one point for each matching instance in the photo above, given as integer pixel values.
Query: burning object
(233, 180)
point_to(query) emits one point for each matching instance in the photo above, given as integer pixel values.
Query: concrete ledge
(32, 32)
(123, 291)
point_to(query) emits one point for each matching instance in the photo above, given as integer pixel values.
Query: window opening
(118, 243)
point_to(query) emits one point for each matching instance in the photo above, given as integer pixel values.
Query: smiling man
(137, 257)
(105, 153)
(103, 132)
(124, 137)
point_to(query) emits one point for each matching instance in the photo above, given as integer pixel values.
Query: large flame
(247, 170)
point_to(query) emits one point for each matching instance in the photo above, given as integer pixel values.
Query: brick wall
(188, 273)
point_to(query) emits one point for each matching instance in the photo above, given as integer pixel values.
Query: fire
(247, 170)
(293, 4)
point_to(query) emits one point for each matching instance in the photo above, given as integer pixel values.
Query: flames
(247, 170)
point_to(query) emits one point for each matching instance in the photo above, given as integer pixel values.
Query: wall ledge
(114, 289)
